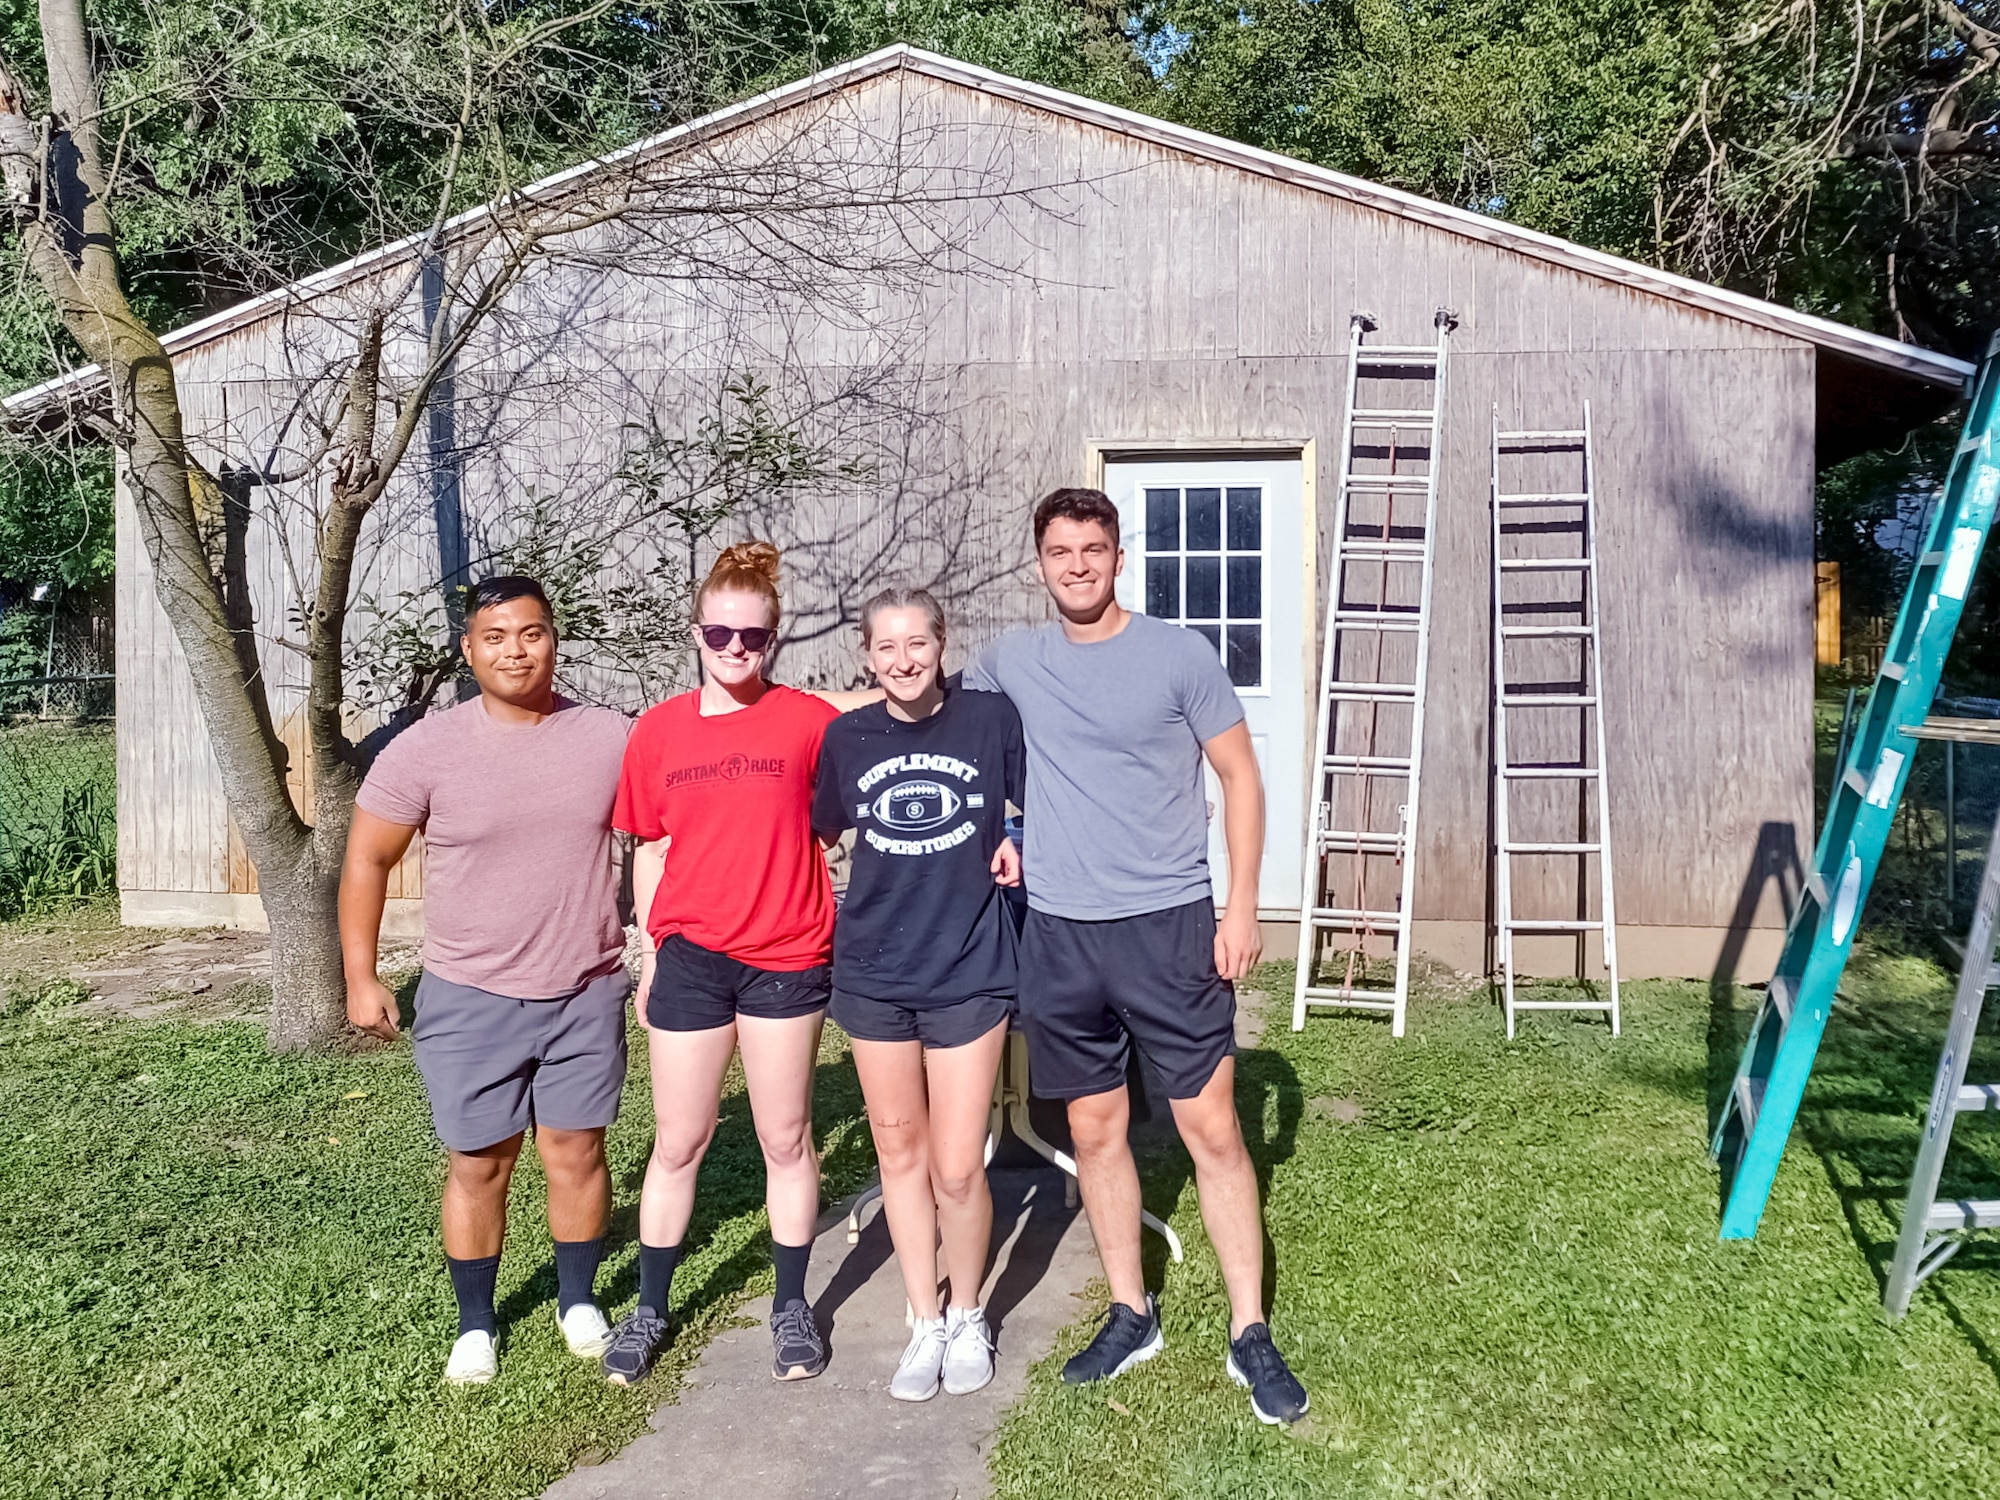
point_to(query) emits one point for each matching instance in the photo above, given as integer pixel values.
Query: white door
(1219, 545)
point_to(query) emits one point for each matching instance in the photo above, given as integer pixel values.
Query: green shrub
(70, 858)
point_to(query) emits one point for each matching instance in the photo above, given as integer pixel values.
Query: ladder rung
(1359, 547)
(1376, 622)
(1570, 632)
(1550, 773)
(1391, 692)
(1362, 843)
(1347, 916)
(1816, 886)
(1930, 560)
(1964, 1213)
(1375, 354)
(1780, 992)
(1749, 1094)
(1384, 482)
(1550, 497)
(1566, 435)
(1548, 700)
(1387, 416)
(1365, 763)
(1544, 564)
(1552, 924)
(1855, 782)
(1549, 848)
(1978, 1096)
(1353, 999)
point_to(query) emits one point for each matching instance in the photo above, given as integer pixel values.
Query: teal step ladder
(1771, 1078)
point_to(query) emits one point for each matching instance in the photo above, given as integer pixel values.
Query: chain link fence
(58, 784)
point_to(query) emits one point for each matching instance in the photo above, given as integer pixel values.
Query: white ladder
(1368, 750)
(1553, 509)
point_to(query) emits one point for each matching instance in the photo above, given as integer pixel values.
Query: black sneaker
(1275, 1393)
(1125, 1340)
(635, 1343)
(800, 1351)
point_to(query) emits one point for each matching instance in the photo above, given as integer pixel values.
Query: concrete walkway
(736, 1431)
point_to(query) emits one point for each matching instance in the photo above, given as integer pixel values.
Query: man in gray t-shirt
(1121, 945)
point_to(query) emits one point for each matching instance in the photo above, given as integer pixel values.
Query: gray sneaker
(916, 1377)
(635, 1343)
(968, 1351)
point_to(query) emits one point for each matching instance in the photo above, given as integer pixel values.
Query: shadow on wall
(1774, 862)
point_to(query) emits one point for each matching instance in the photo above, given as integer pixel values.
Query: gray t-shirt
(1117, 824)
(520, 892)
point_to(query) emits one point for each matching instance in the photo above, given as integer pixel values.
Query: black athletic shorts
(1089, 990)
(698, 989)
(950, 1025)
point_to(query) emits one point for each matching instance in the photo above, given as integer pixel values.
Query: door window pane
(1204, 520)
(1204, 588)
(1163, 520)
(1246, 588)
(1245, 657)
(1213, 633)
(1163, 587)
(1246, 520)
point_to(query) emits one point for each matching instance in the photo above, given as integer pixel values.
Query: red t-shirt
(744, 874)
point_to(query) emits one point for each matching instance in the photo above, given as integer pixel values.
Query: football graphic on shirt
(916, 805)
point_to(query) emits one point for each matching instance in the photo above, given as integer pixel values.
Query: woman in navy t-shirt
(923, 961)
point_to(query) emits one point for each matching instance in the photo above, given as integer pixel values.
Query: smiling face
(735, 664)
(904, 652)
(511, 648)
(1080, 563)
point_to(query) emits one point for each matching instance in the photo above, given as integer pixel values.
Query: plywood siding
(1098, 289)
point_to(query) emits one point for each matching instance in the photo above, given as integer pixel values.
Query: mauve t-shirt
(520, 893)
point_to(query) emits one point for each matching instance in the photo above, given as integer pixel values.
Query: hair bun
(747, 557)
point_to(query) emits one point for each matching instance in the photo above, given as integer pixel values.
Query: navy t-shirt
(922, 924)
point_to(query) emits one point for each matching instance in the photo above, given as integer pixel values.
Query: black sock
(576, 1271)
(790, 1261)
(656, 1275)
(472, 1282)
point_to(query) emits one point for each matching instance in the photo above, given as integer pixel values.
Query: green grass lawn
(1502, 1278)
(222, 1273)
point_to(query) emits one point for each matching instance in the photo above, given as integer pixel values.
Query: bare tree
(782, 210)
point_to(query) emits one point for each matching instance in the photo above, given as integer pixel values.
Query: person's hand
(372, 1007)
(1239, 943)
(1006, 864)
(647, 964)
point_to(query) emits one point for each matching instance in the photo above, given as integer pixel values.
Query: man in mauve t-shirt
(520, 1014)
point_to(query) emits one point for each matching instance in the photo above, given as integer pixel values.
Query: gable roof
(1862, 406)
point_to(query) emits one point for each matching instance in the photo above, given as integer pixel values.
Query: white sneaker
(584, 1330)
(916, 1377)
(968, 1351)
(474, 1361)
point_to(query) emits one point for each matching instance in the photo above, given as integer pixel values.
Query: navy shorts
(698, 989)
(950, 1025)
(495, 1066)
(1092, 990)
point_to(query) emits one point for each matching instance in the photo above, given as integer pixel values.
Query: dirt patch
(145, 973)
(1339, 1111)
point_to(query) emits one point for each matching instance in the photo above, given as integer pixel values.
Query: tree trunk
(308, 991)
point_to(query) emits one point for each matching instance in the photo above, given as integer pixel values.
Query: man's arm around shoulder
(1239, 941)
(375, 846)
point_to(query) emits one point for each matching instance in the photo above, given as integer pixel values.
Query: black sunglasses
(755, 637)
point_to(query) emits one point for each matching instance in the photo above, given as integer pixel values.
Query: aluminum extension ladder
(1370, 727)
(1763, 1099)
(1517, 515)
(1929, 1235)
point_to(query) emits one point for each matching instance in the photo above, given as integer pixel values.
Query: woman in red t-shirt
(738, 908)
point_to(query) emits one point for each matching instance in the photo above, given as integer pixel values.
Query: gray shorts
(494, 1066)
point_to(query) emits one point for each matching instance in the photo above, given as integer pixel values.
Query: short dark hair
(1076, 505)
(491, 591)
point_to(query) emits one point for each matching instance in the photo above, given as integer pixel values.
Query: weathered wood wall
(1126, 293)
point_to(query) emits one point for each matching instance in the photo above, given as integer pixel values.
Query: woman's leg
(778, 1061)
(687, 1087)
(892, 1082)
(961, 1102)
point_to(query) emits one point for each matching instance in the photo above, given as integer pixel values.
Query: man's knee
(1209, 1128)
(486, 1170)
(571, 1155)
(1100, 1123)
